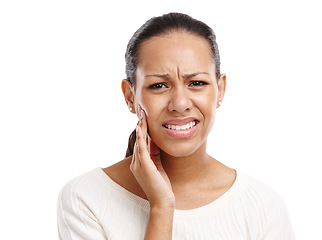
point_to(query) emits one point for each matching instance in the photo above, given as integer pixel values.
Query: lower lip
(181, 133)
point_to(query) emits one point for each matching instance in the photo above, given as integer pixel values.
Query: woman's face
(176, 86)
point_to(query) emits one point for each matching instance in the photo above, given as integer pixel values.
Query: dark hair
(161, 25)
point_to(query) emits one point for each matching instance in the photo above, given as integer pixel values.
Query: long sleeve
(93, 206)
(75, 220)
(279, 225)
(266, 212)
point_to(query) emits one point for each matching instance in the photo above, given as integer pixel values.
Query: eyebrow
(167, 76)
(191, 75)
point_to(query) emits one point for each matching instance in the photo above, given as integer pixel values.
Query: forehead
(178, 50)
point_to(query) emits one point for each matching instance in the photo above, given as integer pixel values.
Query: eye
(197, 83)
(157, 85)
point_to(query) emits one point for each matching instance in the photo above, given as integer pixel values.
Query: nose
(180, 101)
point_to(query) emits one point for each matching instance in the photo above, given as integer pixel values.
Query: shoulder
(95, 189)
(85, 189)
(88, 182)
(80, 204)
(258, 193)
(265, 207)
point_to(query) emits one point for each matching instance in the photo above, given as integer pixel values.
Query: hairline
(173, 31)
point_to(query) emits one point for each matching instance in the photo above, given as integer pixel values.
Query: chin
(179, 150)
(177, 154)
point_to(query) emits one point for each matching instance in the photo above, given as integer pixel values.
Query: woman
(168, 187)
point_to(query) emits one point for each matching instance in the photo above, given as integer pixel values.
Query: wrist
(161, 217)
(162, 206)
(160, 222)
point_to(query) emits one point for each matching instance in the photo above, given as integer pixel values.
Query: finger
(143, 121)
(141, 147)
(148, 139)
(135, 162)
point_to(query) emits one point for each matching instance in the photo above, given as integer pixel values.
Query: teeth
(181, 127)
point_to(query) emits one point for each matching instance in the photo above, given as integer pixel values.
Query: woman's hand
(147, 168)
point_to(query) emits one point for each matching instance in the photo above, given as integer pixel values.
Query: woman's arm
(160, 224)
(147, 168)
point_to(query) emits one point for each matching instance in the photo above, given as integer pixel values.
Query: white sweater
(93, 206)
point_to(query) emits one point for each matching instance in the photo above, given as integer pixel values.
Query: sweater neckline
(209, 209)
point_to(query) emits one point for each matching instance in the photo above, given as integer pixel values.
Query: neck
(186, 169)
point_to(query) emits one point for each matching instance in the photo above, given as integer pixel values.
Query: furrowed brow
(167, 76)
(164, 76)
(191, 75)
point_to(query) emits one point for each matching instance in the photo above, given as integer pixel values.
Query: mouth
(182, 127)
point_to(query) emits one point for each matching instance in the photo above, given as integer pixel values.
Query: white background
(62, 112)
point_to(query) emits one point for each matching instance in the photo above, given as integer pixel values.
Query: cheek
(144, 100)
(147, 104)
(212, 109)
(206, 102)
(153, 107)
(152, 104)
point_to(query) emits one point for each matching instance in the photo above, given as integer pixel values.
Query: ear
(128, 93)
(221, 88)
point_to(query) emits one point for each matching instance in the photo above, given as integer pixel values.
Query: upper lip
(179, 121)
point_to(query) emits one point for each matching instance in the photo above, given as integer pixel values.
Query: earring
(219, 103)
(130, 109)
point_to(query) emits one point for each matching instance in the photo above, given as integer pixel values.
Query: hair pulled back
(156, 26)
